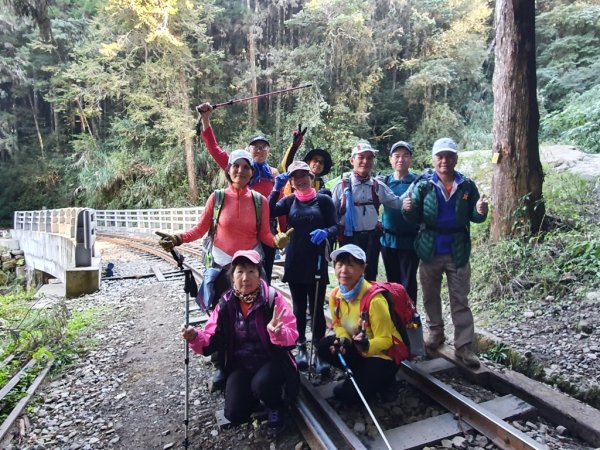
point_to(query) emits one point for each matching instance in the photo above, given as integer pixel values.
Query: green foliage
(578, 122)
(529, 268)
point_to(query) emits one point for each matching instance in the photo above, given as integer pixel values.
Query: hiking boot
(433, 341)
(275, 420)
(218, 381)
(321, 367)
(302, 358)
(467, 356)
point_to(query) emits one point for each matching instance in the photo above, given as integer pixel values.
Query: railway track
(318, 416)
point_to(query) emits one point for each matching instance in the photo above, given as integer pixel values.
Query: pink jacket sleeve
(204, 335)
(288, 335)
(264, 234)
(218, 154)
(203, 224)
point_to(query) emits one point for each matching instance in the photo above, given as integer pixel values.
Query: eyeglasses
(260, 147)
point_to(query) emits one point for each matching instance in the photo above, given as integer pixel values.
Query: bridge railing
(148, 220)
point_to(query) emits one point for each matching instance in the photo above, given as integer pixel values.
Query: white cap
(354, 250)
(363, 147)
(444, 145)
(240, 154)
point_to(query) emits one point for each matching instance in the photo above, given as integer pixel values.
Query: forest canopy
(97, 97)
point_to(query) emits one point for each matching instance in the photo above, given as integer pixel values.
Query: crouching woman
(252, 328)
(362, 338)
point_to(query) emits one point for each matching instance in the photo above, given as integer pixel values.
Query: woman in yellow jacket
(362, 341)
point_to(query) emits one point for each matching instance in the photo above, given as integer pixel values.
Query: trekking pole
(239, 100)
(190, 288)
(314, 314)
(267, 94)
(350, 375)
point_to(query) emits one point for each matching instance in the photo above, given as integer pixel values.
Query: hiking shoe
(467, 356)
(321, 367)
(275, 420)
(433, 342)
(218, 381)
(302, 358)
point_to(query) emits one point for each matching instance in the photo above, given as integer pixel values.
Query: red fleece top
(236, 228)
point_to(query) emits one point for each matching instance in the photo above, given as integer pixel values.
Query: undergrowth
(30, 329)
(562, 263)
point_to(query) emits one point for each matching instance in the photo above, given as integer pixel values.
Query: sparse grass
(28, 331)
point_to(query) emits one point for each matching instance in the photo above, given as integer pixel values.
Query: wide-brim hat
(328, 163)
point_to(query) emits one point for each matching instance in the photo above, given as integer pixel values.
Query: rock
(561, 430)
(299, 446)
(17, 252)
(585, 326)
(528, 314)
(446, 443)
(459, 442)
(169, 445)
(3, 278)
(359, 428)
(9, 265)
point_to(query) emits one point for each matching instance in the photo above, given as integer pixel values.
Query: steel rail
(501, 433)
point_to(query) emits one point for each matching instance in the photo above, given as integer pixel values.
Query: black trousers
(371, 374)
(243, 391)
(369, 242)
(301, 293)
(401, 267)
(269, 253)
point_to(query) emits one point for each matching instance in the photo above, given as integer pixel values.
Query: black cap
(258, 137)
(402, 144)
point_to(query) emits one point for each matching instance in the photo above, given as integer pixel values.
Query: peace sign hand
(276, 323)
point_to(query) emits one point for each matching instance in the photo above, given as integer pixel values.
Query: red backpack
(404, 316)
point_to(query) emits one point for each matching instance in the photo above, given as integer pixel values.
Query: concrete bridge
(61, 242)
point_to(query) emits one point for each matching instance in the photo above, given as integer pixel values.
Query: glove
(361, 340)
(343, 345)
(299, 135)
(318, 236)
(168, 241)
(280, 181)
(283, 239)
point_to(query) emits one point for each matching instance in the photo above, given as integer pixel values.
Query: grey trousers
(459, 285)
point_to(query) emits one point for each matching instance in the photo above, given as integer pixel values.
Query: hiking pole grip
(178, 257)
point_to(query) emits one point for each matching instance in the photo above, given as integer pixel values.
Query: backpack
(218, 206)
(404, 316)
(374, 196)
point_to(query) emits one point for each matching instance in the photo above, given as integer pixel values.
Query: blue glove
(280, 181)
(318, 236)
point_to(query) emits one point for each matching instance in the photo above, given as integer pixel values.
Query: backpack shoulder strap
(257, 198)
(218, 206)
(375, 194)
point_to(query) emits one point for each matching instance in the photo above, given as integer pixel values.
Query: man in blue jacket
(444, 205)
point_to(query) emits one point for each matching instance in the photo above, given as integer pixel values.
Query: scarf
(306, 195)
(246, 298)
(261, 170)
(349, 295)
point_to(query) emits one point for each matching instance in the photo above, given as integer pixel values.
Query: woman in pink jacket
(252, 328)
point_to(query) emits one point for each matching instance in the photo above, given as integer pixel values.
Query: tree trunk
(252, 105)
(518, 176)
(188, 143)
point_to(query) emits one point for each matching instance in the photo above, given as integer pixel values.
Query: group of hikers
(251, 331)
